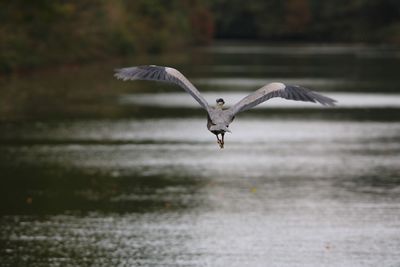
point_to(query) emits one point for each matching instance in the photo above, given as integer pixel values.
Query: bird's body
(218, 118)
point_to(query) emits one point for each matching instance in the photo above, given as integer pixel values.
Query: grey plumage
(291, 92)
(218, 118)
(162, 74)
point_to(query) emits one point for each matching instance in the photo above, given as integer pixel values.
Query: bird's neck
(219, 106)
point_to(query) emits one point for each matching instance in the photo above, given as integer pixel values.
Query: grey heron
(218, 118)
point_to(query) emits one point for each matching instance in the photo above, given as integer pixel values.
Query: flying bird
(219, 118)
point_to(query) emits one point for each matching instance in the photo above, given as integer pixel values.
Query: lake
(100, 172)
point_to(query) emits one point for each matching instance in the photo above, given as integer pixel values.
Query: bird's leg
(222, 141)
(219, 141)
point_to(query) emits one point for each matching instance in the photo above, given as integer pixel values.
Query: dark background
(46, 33)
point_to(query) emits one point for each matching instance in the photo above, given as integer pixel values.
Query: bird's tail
(220, 128)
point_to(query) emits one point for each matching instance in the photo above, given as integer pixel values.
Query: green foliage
(47, 32)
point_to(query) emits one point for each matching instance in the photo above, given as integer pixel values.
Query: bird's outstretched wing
(280, 90)
(162, 74)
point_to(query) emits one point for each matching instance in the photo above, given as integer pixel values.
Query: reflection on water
(244, 82)
(345, 100)
(306, 50)
(143, 183)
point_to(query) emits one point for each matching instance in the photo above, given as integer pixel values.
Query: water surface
(99, 172)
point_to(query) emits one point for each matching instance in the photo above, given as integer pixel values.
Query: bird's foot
(221, 144)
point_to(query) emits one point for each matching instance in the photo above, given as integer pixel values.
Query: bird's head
(220, 102)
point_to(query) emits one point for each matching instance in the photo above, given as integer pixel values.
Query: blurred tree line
(374, 21)
(46, 32)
